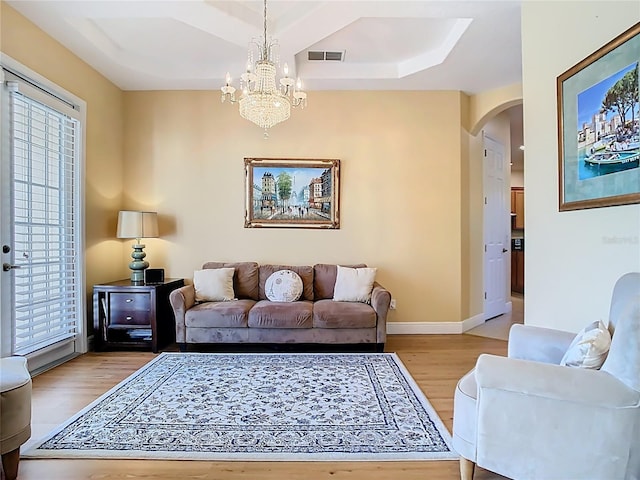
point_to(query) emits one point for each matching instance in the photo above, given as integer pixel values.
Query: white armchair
(526, 417)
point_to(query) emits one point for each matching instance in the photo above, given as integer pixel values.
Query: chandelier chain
(265, 30)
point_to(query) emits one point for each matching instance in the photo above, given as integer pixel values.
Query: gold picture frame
(598, 127)
(292, 193)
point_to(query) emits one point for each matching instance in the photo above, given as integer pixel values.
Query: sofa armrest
(538, 344)
(182, 299)
(380, 301)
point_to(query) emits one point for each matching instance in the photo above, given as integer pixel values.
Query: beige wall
(573, 258)
(24, 42)
(400, 197)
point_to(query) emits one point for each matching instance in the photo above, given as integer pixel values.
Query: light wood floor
(435, 361)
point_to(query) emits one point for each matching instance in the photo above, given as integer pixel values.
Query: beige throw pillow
(214, 284)
(589, 348)
(354, 284)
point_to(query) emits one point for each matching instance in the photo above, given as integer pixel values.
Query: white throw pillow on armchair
(214, 284)
(589, 348)
(354, 284)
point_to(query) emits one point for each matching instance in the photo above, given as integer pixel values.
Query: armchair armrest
(538, 344)
(537, 420)
(380, 301)
(554, 382)
(182, 299)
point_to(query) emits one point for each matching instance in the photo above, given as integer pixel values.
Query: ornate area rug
(284, 407)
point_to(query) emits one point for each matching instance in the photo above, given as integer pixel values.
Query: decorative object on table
(290, 192)
(281, 407)
(134, 316)
(263, 101)
(154, 276)
(598, 127)
(134, 224)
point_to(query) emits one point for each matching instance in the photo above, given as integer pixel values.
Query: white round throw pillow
(283, 286)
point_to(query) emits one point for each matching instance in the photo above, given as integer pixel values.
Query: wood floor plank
(436, 362)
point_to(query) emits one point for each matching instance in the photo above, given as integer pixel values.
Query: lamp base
(138, 265)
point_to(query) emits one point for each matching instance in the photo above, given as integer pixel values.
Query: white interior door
(496, 234)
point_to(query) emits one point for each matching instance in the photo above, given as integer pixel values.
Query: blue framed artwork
(290, 192)
(599, 127)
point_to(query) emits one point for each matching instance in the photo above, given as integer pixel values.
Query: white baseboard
(434, 328)
(472, 322)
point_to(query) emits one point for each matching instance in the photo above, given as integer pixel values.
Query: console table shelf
(126, 315)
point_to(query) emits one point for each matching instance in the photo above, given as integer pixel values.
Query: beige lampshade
(133, 224)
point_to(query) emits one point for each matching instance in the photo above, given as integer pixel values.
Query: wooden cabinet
(126, 315)
(517, 271)
(517, 207)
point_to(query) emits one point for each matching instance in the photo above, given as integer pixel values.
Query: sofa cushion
(305, 272)
(245, 277)
(324, 279)
(219, 314)
(330, 314)
(213, 285)
(267, 314)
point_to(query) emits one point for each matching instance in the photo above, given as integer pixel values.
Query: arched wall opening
(492, 114)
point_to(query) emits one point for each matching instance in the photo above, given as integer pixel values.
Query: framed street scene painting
(598, 127)
(288, 192)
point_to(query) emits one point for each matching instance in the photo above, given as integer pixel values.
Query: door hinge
(485, 152)
(485, 295)
(485, 200)
(485, 248)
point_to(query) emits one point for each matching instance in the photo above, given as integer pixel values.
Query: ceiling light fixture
(262, 101)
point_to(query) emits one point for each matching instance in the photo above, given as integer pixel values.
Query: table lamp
(134, 224)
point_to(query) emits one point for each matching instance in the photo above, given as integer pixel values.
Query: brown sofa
(252, 318)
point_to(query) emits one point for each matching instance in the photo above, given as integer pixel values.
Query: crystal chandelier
(263, 102)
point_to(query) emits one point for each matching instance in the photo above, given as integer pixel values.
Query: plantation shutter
(44, 143)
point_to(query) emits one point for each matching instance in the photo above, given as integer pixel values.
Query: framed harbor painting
(598, 127)
(289, 192)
